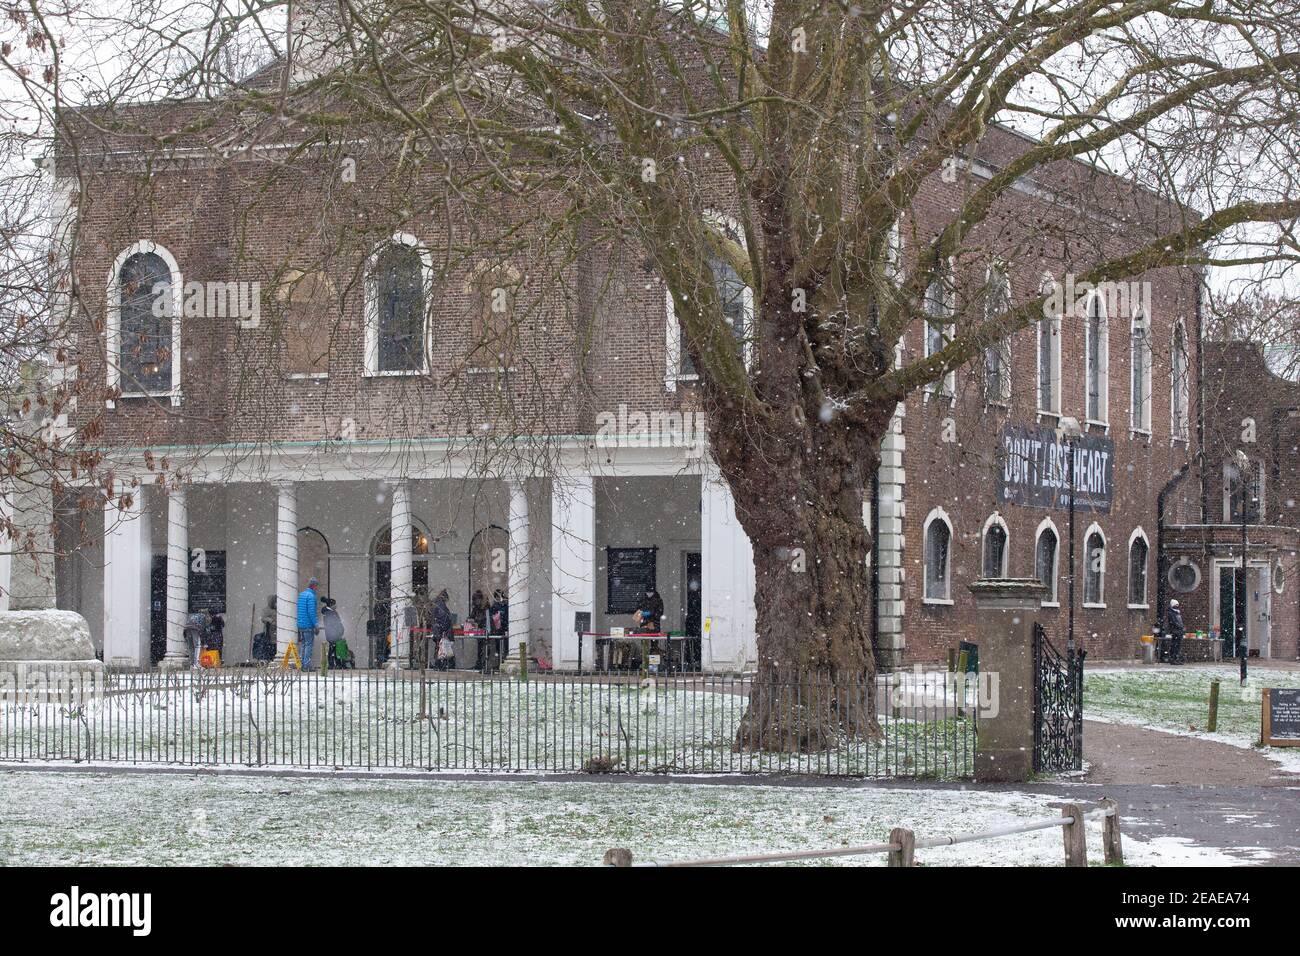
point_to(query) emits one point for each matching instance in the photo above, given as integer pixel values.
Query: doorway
(692, 590)
(1244, 608)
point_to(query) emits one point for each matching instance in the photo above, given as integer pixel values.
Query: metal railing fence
(924, 723)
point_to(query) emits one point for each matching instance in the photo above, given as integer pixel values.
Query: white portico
(381, 524)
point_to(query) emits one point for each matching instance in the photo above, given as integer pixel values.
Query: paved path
(1118, 753)
(1256, 825)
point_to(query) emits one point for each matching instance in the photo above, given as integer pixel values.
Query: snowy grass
(174, 819)
(374, 721)
(1176, 699)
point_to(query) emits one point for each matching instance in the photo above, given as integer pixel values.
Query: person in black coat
(650, 616)
(478, 610)
(440, 628)
(1175, 628)
(499, 621)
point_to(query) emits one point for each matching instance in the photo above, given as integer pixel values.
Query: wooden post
(905, 855)
(1213, 724)
(1111, 842)
(618, 857)
(1076, 847)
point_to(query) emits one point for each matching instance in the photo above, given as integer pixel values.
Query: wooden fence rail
(903, 843)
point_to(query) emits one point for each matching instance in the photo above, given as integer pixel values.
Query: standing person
(650, 616)
(478, 610)
(499, 615)
(421, 652)
(197, 627)
(264, 641)
(1176, 630)
(333, 624)
(308, 622)
(440, 630)
(216, 637)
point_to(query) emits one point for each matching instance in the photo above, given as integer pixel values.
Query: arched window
(1097, 355)
(313, 560)
(994, 551)
(1138, 549)
(144, 323)
(938, 557)
(1140, 384)
(397, 284)
(1094, 568)
(997, 357)
(736, 299)
(939, 330)
(1178, 384)
(1046, 553)
(1049, 351)
(381, 570)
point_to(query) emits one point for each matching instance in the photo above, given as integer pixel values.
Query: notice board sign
(629, 571)
(208, 581)
(1280, 721)
(1034, 469)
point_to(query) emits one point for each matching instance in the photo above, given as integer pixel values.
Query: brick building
(1252, 419)
(368, 429)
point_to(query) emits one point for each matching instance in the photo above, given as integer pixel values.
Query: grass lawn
(175, 819)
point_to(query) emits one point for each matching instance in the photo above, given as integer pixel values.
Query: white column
(126, 581)
(6, 547)
(286, 568)
(573, 566)
(178, 578)
(727, 566)
(517, 574)
(401, 593)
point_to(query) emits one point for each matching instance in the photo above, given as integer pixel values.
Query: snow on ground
(1176, 700)
(183, 819)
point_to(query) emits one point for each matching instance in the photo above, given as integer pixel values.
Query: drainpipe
(1199, 325)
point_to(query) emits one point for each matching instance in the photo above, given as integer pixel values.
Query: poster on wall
(629, 571)
(208, 581)
(1033, 469)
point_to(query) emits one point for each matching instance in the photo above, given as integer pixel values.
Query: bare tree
(778, 146)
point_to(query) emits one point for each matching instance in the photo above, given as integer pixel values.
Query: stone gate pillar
(1005, 610)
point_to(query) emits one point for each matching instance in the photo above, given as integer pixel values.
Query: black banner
(630, 571)
(1034, 469)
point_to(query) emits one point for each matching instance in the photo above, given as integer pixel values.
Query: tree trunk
(804, 516)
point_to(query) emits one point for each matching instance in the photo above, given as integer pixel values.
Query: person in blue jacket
(308, 622)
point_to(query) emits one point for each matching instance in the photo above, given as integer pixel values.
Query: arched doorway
(489, 562)
(313, 560)
(381, 570)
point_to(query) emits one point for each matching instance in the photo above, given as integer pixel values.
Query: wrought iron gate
(1058, 707)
